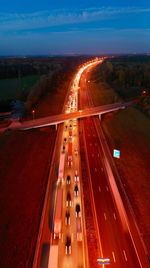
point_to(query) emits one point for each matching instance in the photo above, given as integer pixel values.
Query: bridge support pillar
(100, 117)
(56, 126)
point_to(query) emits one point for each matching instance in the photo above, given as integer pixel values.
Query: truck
(53, 257)
(61, 167)
(70, 154)
(79, 229)
(58, 213)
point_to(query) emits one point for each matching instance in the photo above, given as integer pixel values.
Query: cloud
(96, 40)
(43, 19)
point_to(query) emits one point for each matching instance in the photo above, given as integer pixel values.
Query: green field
(9, 88)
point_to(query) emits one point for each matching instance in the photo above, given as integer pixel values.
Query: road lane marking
(125, 256)
(115, 216)
(107, 189)
(95, 169)
(105, 216)
(72, 237)
(113, 254)
(99, 188)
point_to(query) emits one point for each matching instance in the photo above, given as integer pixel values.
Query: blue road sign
(116, 153)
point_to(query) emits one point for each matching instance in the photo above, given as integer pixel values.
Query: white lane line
(105, 216)
(107, 189)
(115, 216)
(99, 188)
(72, 237)
(95, 169)
(113, 254)
(62, 238)
(125, 256)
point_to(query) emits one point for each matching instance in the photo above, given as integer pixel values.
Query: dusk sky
(65, 27)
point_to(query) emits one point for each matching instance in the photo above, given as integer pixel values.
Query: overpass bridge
(58, 119)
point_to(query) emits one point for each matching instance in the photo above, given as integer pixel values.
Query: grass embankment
(129, 130)
(102, 94)
(9, 88)
(52, 103)
(24, 158)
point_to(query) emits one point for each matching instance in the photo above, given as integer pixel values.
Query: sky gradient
(64, 27)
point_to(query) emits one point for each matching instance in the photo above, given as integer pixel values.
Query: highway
(75, 259)
(51, 252)
(75, 254)
(116, 239)
(115, 232)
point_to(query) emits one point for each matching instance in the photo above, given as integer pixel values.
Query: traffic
(68, 215)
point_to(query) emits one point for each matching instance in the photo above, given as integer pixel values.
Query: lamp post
(33, 114)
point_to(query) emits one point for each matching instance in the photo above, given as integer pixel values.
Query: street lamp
(33, 114)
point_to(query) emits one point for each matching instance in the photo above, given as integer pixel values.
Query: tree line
(130, 78)
(53, 72)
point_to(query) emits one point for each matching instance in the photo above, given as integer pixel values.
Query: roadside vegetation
(130, 78)
(129, 131)
(30, 79)
(10, 90)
